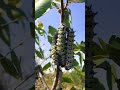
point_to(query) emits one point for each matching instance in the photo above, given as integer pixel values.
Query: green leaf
(16, 63)
(4, 31)
(113, 80)
(47, 66)
(114, 74)
(113, 51)
(83, 69)
(39, 54)
(52, 30)
(79, 47)
(80, 59)
(116, 59)
(82, 55)
(9, 67)
(114, 41)
(41, 7)
(76, 51)
(67, 80)
(109, 78)
(50, 39)
(99, 61)
(103, 44)
(36, 39)
(103, 65)
(97, 49)
(67, 17)
(113, 70)
(82, 44)
(97, 57)
(76, 46)
(42, 52)
(75, 62)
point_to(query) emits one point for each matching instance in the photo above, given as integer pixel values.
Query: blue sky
(52, 18)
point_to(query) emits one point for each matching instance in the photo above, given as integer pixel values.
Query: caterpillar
(89, 30)
(58, 48)
(54, 54)
(61, 41)
(63, 46)
(70, 49)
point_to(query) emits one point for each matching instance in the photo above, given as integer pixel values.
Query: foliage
(15, 14)
(106, 51)
(41, 6)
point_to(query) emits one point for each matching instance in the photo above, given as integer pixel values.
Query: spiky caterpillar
(70, 49)
(63, 46)
(61, 41)
(58, 47)
(90, 23)
(54, 54)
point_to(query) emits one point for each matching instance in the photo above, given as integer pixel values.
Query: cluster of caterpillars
(90, 24)
(62, 51)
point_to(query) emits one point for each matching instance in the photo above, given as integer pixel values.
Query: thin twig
(62, 11)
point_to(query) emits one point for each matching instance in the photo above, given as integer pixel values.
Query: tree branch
(60, 81)
(40, 75)
(57, 78)
(62, 11)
